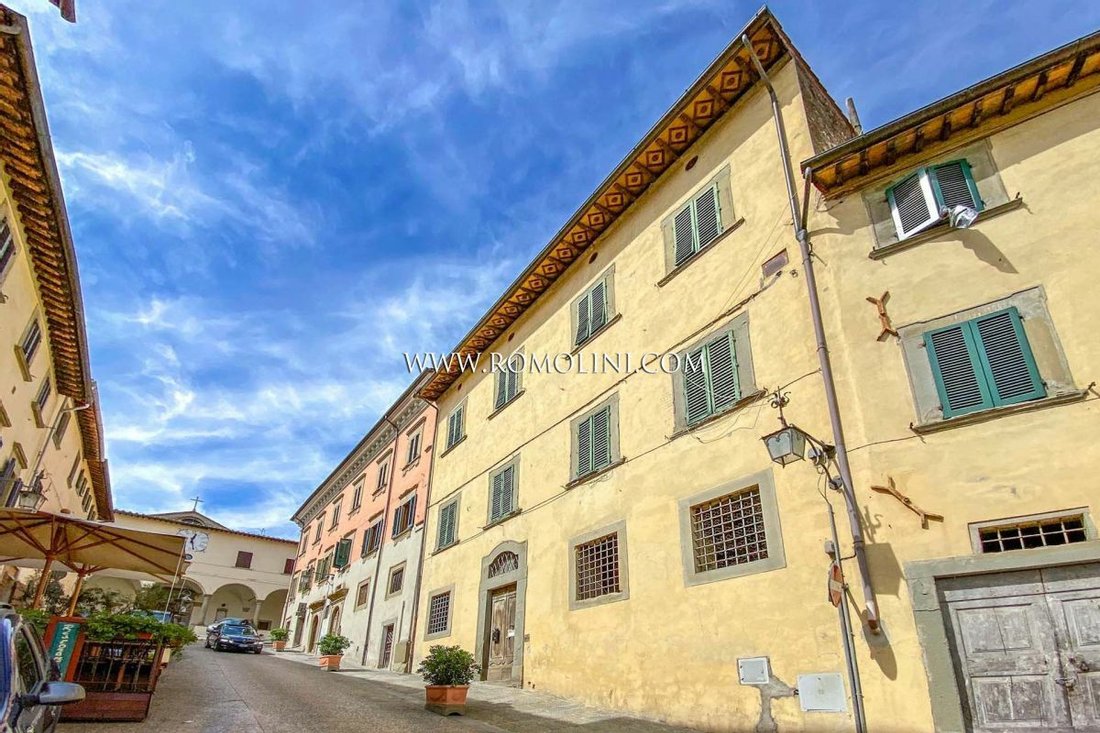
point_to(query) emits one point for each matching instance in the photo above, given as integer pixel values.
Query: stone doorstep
(530, 702)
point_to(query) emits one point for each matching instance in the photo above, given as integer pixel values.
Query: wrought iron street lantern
(786, 445)
(30, 496)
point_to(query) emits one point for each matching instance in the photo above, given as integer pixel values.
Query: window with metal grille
(710, 378)
(505, 562)
(593, 442)
(592, 311)
(362, 595)
(32, 337)
(456, 426)
(598, 567)
(1031, 534)
(982, 363)
(372, 539)
(439, 610)
(917, 200)
(404, 516)
(244, 559)
(502, 492)
(697, 224)
(448, 525)
(397, 580)
(728, 531)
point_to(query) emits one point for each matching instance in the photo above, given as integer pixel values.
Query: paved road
(221, 692)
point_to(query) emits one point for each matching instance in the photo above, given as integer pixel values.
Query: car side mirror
(54, 693)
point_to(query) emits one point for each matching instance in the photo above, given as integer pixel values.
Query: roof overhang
(1015, 95)
(728, 78)
(28, 161)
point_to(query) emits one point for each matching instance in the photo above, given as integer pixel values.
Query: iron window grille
(728, 531)
(438, 611)
(362, 594)
(397, 580)
(1029, 535)
(598, 567)
(505, 562)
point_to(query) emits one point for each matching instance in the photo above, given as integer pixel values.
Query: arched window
(505, 562)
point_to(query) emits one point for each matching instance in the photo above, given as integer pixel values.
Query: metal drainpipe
(798, 223)
(382, 542)
(423, 552)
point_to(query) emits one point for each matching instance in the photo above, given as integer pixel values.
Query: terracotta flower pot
(279, 645)
(446, 699)
(331, 662)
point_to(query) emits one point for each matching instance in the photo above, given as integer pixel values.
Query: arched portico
(269, 613)
(232, 600)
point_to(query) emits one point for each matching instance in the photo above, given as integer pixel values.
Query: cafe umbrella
(57, 541)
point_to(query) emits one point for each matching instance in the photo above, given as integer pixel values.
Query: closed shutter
(954, 185)
(722, 372)
(508, 491)
(912, 204)
(496, 500)
(584, 447)
(343, 553)
(583, 328)
(708, 217)
(454, 427)
(683, 235)
(502, 386)
(696, 403)
(598, 299)
(601, 438)
(956, 370)
(513, 382)
(1007, 359)
(447, 522)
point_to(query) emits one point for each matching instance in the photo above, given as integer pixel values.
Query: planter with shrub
(278, 638)
(332, 648)
(448, 671)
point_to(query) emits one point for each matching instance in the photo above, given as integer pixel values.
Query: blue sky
(271, 202)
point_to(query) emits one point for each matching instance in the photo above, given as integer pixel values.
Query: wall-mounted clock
(196, 541)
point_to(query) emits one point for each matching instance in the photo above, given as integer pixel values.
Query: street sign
(836, 584)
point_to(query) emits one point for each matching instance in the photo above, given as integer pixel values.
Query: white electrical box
(822, 693)
(753, 670)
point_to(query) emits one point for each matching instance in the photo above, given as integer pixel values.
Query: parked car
(30, 695)
(231, 620)
(235, 637)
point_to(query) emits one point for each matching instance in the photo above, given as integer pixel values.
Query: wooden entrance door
(314, 625)
(1027, 648)
(387, 647)
(502, 634)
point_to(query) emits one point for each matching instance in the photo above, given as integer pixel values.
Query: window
(982, 363)
(303, 543)
(341, 556)
(372, 539)
(456, 426)
(1029, 533)
(597, 567)
(28, 345)
(305, 582)
(59, 431)
(320, 528)
(502, 492)
(731, 530)
(439, 614)
(917, 200)
(288, 566)
(710, 377)
(404, 516)
(448, 525)
(357, 495)
(507, 381)
(7, 246)
(7, 482)
(40, 402)
(414, 447)
(593, 310)
(383, 475)
(335, 514)
(244, 559)
(595, 439)
(362, 594)
(73, 471)
(397, 580)
(698, 222)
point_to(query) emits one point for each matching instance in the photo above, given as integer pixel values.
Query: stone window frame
(773, 530)
(613, 427)
(728, 215)
(975, 528)
(1042, 337)
(448, 590)
(487, 585)
(516, 509)
(746, 373)
(448, 445)
(359, 588)
(498, 375)
(619, 529)
(456, 501)
(607, 277)
(402, 566)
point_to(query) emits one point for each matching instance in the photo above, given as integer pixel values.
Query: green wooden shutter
(508, 490)
(343, 553)
(1006, 358)
(502, 386)
(708, 217)
(598, 299)
(601, 438)
(584, 446)
(446, 535)
(953, 185)
(722, 372)
(696, 402)
(683, 230)
(956, 370)
(513, 383)
(497, 496)
(582, 320)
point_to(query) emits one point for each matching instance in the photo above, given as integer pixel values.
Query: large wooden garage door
(1027, 648)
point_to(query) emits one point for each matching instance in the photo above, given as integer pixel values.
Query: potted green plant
(278, 638)
(448, 671)
(332, 648)
(105, 626)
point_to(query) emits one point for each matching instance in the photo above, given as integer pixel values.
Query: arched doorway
(334, 621)
(271, 610)
(232, 600)
(314, 626)
(500, 613)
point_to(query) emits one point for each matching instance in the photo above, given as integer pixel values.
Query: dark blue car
(234, 637)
